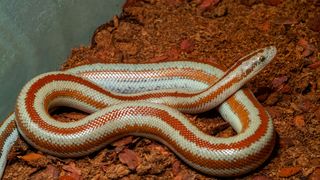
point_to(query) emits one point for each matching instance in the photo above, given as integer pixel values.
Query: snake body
(147, 100)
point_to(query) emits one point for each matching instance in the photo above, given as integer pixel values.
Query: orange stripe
(240, 111)
(32, 113)
(175, 123)
(74, 95)
(216, 164)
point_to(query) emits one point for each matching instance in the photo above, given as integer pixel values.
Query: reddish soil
(210, 30)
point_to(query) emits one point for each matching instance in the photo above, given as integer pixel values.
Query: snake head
(254, 62)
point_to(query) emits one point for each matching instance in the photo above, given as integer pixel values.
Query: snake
(148, 100)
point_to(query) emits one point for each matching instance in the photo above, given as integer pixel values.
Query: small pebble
(277, 82)
(299, 122)
(288, 171)
(187, 45)
(265, 27)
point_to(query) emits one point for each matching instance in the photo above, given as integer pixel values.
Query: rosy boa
(148, 100)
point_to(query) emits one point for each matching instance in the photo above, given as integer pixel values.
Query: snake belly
(147, 100)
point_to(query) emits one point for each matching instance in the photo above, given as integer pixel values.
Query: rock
(130, 158)
(279, 81)
(289, 171)
(299, 122)
(187, 46)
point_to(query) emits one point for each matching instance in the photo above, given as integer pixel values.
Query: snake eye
(262, 58)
